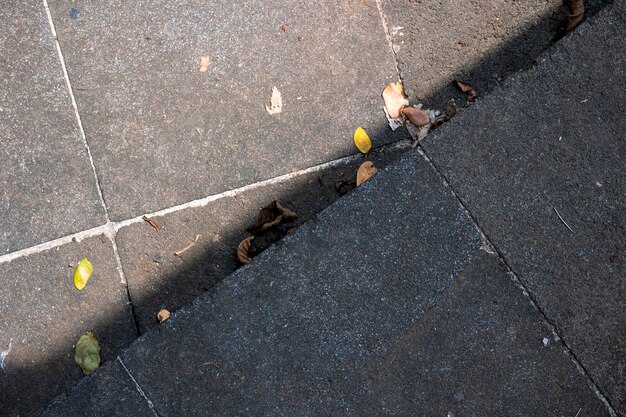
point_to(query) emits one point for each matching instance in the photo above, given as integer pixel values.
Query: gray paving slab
(540, 164)
(324, 301)
(482, 350)
(164, 132)
(159, 279)
(481, 43)
(47, 186)
(108, 393)
(44, 315)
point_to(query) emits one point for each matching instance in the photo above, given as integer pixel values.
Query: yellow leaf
(82, 274)
(362, 140)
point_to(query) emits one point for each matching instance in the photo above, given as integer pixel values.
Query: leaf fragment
(243, 248)
(205, 62)
(467, 88)
(416, 116)
(576, 14)
(276, 102)
(362, 140)
(394, 99)
(152, 223)
(82, 273)
(366, 171)
(272, 215)
(87, 353)
(163, 315)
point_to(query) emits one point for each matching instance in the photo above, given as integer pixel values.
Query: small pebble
(546, 341)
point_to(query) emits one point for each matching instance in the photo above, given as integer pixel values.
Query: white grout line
(110, 228)
(75, 106)
(138, 387)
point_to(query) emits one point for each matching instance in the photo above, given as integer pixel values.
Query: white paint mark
(4, 354)
(276, 102)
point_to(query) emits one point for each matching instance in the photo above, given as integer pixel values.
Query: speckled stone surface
(163, 132)
(157, 278)
(109, 393)
(44, 315)
(541, 165)
(47, 186)
(479, 42)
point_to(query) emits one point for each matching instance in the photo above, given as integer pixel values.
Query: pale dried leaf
(205, 62)
(467, 88)
(394, 99)
(243, 248)
(276, 102)
(366, 171)
(163, 315)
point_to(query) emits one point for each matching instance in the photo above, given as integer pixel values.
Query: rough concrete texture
(266, 341)
(483, 350)
(164, 132)
(109, 393)
(44, 315)
(540, 164)
(475, 41)
(159, 279)
(47, 186)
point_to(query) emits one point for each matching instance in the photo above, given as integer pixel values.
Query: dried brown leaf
(152, 223)
(416, 116)
(576, 14)
(243, 248)
(366, 171)
(272, 215)
(451, 110)
(163, 315)
(394, 99)
(467, 88)
(344, 187)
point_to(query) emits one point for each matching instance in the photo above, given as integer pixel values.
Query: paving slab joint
(389, 37)
(490, 247)
(138, 387)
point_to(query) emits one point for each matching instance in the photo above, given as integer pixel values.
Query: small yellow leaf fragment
(82, 273)
(362, 140)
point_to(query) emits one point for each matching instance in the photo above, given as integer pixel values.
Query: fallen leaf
(87, 353)
(451, 110)
(362, 140)
(163, 315)
(276, 102)
(82, 273)
(189, 246)
(272, 215)
(416, 116)
(466, 88)
(152, 223)
(366, 171)
(243, 248)
(394, 99)
(204, 63)
(576, 14)
(344, 187)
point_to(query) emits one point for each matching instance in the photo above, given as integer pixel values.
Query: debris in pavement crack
(272, 215)
(151, 223)
(416, 116)
(576, 14)
(243, 248)
(163, 315)
(189, 246)
(366, 171)
(467, 88)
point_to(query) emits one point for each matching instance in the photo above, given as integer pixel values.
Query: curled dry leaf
(163, 315)
(276, 102)
(87, 354)
(272, 215)
(204, 63)
(243, 248)
(82, 273)
(362, 140)
(576, 13)
(466, 88)
(394, 99)
(366, 171)
(152, 223)
(416, 116)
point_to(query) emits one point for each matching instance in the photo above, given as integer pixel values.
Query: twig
(564, 222)
(189, 246)
(217, 367)
(151, 223)
(579, 410)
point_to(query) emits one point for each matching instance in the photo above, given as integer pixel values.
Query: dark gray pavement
(44, 315)
(551, 143)
(162, 132)
(47, 185)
